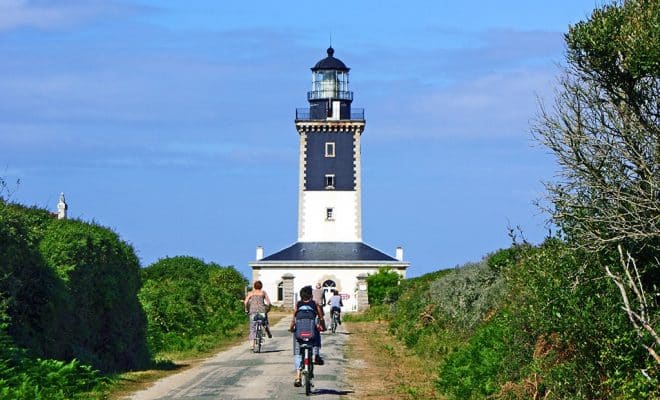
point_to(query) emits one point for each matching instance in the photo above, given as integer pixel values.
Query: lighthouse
(329, 249)
(330, 130)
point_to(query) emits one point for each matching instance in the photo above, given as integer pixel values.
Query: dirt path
(238, 373)
(380, 367)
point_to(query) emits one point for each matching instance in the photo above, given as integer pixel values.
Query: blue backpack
(305, 321)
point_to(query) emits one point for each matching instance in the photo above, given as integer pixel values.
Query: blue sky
(172, 122)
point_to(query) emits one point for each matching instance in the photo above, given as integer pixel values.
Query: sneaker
(269, 335)
(297, 382)
(318, 360)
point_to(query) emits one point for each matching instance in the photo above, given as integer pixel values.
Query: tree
(604, 130)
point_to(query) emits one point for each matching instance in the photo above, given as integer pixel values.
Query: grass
(380, 367)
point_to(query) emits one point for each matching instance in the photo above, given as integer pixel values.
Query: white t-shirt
(335, 301)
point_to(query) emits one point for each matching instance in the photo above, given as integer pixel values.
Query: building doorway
(328, 286)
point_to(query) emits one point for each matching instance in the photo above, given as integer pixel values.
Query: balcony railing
(330, 94)
(303, 114)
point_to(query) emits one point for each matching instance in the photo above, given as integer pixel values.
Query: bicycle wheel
(333, 325)
(258, 338)
(307, 372)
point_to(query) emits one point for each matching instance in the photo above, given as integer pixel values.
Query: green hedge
(36, 299)
(71, 290)
(188, 302)
(101, 274)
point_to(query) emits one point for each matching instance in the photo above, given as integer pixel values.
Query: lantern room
(330, 98)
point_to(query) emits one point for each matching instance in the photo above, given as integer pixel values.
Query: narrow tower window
(330, 149)
(329, 214)
(330, 181)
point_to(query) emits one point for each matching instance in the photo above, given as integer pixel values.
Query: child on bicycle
(306, 302)
(257, 305)
(335, 305)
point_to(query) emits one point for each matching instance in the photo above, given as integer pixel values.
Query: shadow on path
(332, 392)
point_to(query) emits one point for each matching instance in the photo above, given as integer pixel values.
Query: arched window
(329, 283)
(327, 288)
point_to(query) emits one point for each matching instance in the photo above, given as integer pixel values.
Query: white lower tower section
(331, 216)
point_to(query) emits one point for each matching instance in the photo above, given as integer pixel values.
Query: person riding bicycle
(257, 304)
(306, 302)
(336, 304)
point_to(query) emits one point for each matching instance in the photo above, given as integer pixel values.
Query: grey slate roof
(329, 251)
(330, 62)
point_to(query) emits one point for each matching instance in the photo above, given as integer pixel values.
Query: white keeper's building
(329, 249)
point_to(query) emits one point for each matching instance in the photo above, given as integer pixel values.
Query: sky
(172, 123)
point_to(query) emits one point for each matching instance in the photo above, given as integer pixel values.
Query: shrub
(25, 378)
(559, 292)
(186, 299)
(464, 296)
(493, 355)
(101, 274)
(37, 302)
(383, 286)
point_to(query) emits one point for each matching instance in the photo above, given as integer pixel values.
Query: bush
(25, 378)
(187, 300)
(492, 356)
(383, 286)
(464, 296)
(36, 299)
(413, 319)
(557, 292)
(101, 274)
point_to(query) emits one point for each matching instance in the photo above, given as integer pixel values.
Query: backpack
(305, 321)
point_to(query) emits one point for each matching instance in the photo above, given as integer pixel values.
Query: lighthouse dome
(330, 62)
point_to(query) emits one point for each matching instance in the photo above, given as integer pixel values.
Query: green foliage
(492, 356)
(414, 321)
(525, 322)
(383, 286)
(559, 297)
(36, 299)
(187, 301)
(25, 378)
(620, 43)
(374, 313)
(71, 289)
(101, 274)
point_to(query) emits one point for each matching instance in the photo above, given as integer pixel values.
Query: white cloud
(45, 15)
(493, 104)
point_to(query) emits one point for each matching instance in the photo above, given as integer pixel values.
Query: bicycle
(258, 333)
(335, 320)
(306, 350)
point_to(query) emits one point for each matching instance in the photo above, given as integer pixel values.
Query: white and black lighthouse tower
(330, 131)
(329, 249)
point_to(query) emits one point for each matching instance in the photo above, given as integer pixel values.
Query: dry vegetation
(380, 367)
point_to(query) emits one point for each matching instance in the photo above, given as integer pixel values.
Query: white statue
(62, 207)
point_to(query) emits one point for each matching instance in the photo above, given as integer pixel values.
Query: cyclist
(256, 303)
(306, 300)
(336, 304)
